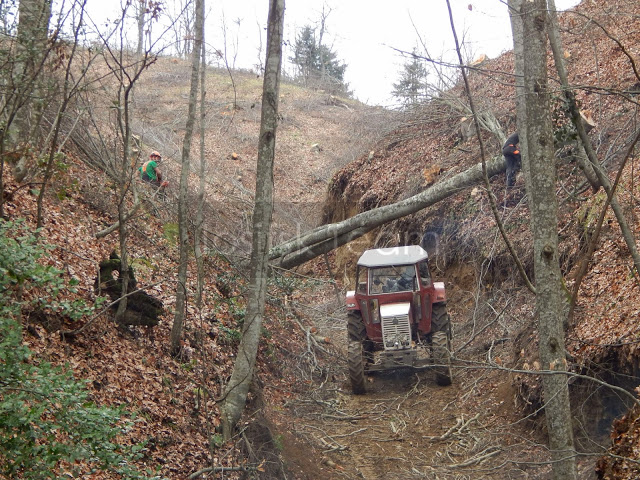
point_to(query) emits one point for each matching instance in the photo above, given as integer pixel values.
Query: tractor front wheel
(356, 367)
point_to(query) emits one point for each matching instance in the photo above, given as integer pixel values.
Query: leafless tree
(183, 207)
(23, 59)
(540, 178)
(126, 70)
(199, 231)
(259, 67)
(141, 10)
(235, 394)
(182, 26)
(32, 50)
(324, 15)
(71, 85)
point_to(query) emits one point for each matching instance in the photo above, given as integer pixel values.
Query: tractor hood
(394, 309)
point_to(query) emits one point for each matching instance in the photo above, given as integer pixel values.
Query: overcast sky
(363, 33)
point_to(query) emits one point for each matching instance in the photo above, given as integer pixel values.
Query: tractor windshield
(397, 278)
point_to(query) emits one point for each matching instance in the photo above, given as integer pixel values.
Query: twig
(477, 459)
(481, 330)
(331, 447)
(221, 469)
(347, 418)
(352, 433)
(457, 428)
(115, 226)
(310, 339)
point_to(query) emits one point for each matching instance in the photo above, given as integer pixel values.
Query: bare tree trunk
(199, 254)
(323, 25)
(126, 177)
(183, 207)
(124, 256)
(123, 189)
(141, 10)
(540, 177)
(69, 89)
(515, 7)
(235, 395)
(33, 30)
(23, 66)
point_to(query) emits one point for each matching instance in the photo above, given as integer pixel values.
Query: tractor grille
(396, 332)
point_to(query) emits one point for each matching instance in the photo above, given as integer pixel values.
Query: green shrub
(47, 423)
(230, 336)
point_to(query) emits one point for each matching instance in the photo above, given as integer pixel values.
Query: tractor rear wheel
(441, 343)
(442, 357)
(440, 320)
(356, 367)
(355, 327)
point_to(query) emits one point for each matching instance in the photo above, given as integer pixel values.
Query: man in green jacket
(149, 172)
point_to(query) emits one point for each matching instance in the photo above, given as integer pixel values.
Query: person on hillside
(150, 173)
(512, 155)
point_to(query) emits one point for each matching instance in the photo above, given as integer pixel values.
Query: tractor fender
(439, 292)
(352, 305)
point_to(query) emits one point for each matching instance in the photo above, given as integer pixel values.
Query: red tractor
(396, 315)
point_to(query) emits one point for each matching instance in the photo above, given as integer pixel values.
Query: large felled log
(142, 308)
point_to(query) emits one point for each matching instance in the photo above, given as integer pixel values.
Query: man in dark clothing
(512, 155)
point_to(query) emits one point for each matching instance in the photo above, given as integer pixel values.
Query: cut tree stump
(142, 308)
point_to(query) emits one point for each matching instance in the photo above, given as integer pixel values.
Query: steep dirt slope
(317, 134)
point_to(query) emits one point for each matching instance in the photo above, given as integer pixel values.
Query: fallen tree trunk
(328, 237)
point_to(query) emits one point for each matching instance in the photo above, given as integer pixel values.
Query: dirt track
(408, 427)
(404, 427)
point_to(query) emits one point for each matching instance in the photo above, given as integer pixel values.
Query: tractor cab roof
(383, 257)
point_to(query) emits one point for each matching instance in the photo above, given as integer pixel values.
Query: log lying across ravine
(327, 237)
